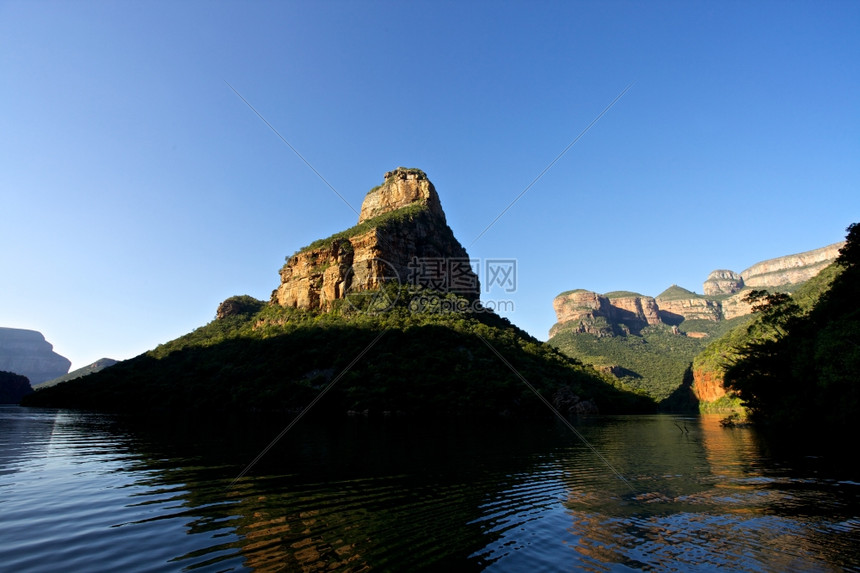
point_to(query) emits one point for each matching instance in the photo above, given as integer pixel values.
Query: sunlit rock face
(26, 352)
(791, 269)
(588, 312)
(723, 282)
(401, 188)
(401, 225)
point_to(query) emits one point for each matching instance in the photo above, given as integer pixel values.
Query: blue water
(90, 492)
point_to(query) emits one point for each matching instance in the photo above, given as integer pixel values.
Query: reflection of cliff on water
(706, 497)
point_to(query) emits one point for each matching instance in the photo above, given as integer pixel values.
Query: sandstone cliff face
(402, 231)
(723, 282)
(791, 269)
(588, 312)
(674, 311)
(735, 306)
(400, 188)
(26, 352)
(579, 310)
(635, 308)
(707, 386)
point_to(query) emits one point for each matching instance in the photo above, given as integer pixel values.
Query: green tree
(799, 376)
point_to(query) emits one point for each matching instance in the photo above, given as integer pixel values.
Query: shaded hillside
(431, 363)
(382, 317)
(709, 366)
(13, 387)
(653, 361)
(96, 366)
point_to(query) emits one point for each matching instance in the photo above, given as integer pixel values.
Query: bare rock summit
(401, 229)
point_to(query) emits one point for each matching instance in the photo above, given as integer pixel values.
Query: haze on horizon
(140, 191)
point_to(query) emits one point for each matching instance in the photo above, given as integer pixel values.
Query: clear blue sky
(138, 191)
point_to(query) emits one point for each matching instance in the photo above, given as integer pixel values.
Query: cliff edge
(401, 237)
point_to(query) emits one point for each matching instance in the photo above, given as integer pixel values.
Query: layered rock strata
(593, 313)
(723, 282)
(791, 269)
(402, 237)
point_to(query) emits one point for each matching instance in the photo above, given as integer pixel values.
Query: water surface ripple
(89, 492)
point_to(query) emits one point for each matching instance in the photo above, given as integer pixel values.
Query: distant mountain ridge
(649, 342)
(26, 352)
(611, 313)
(96, 366)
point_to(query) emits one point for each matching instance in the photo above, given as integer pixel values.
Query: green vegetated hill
(651, 344)
(356, 326)
(96, 366)
(417, 361)
(655, 362)
(720, 354)
(799, 374)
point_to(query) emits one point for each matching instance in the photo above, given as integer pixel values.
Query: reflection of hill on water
(707, 498)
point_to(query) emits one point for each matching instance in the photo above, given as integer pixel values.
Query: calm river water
(87, 492)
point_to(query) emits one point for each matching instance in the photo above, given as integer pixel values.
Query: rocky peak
(401, 188)
(401, 227)
(723, 281)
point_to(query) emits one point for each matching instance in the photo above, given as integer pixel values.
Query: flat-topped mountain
(603, 314)
(26, 352)
(650, 342)
(788, 270)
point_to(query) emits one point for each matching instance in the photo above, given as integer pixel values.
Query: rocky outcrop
(588, 312)
(401, 238)
(401, 188)
(723, 282)
(676, 310)
(634, 308)
(735, 306)
(707, 386)
(581, 310)
(26, 352)
(13, 387)
(791, 269)
(238, 305)
(592, 313)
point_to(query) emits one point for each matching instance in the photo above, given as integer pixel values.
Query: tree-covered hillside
(726, 350)
(424, 360)
(655, 362)
(800, 374)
